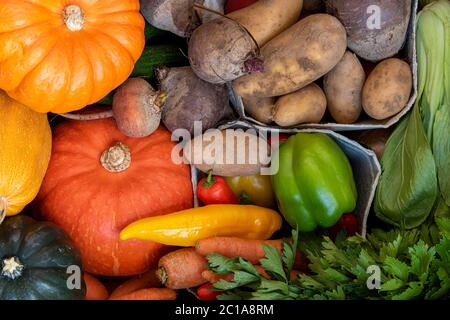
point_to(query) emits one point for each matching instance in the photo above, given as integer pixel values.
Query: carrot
(294, 274)
(210, 276)
(251, 250)
(95, 290)
(143, 281)
(149, 294)
(182, 269)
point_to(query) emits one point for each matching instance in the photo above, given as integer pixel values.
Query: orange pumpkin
(99, 181)
(59, 55)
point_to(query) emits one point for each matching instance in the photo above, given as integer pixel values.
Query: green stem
(209, 182)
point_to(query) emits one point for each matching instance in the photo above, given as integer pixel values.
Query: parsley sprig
(410, 268)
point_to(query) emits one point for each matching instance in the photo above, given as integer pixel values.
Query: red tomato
(204, 292)
(281, 138)
(215, 190)
(347, 222)
(234, 5)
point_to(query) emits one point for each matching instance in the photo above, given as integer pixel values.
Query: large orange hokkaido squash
(60, 55)
(98, 181)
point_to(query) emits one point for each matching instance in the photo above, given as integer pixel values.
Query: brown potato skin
(297, 57)
(278, 16)
(343, 87)
(387, 89)
(260, 109)
(373, 44)
(221, 165)
(307, 105)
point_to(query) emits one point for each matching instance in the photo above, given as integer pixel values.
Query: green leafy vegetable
(409, 269)
(416, 168)
(408, 186)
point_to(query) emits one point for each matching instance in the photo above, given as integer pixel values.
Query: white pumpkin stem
(116, 158)
(73, 17)
(89, 116)
(3, 208)
(11, 268)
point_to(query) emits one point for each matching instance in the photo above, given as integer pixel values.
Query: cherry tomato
(215, 190)
(205, 293)
(347, 222)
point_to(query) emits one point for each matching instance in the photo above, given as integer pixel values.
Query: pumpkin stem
(12, 268)
(3, 207)
(73, 17)
(116, 158)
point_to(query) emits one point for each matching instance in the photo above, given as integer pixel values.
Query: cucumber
(152, 32)
(168, 55)
(153, 56)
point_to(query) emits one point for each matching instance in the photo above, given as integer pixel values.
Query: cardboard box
(409, 53)
(366, 168)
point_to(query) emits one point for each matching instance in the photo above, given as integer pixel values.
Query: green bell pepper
(314, 185)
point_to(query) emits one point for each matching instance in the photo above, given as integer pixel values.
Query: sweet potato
(307, 105)
(343, 88)
(261, 109)
(366, 38)
(387, 89)
(297, 57)
(189, 99)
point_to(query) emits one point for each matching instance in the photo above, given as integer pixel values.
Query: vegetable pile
(123, 178)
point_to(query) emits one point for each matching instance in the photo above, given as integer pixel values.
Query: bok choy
(416, 163)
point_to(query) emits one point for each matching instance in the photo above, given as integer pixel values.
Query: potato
(228, 152)
(266, 19)
(387, 89)
(261, 109)
(226, 48)
(297, 57)
(367, 39)
(190, 99)
(307, 105)
(343, 88)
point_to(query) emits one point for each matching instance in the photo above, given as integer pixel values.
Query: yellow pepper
(185, 228)
(255, 190)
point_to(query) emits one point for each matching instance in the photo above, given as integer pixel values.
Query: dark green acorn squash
(34, 262)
